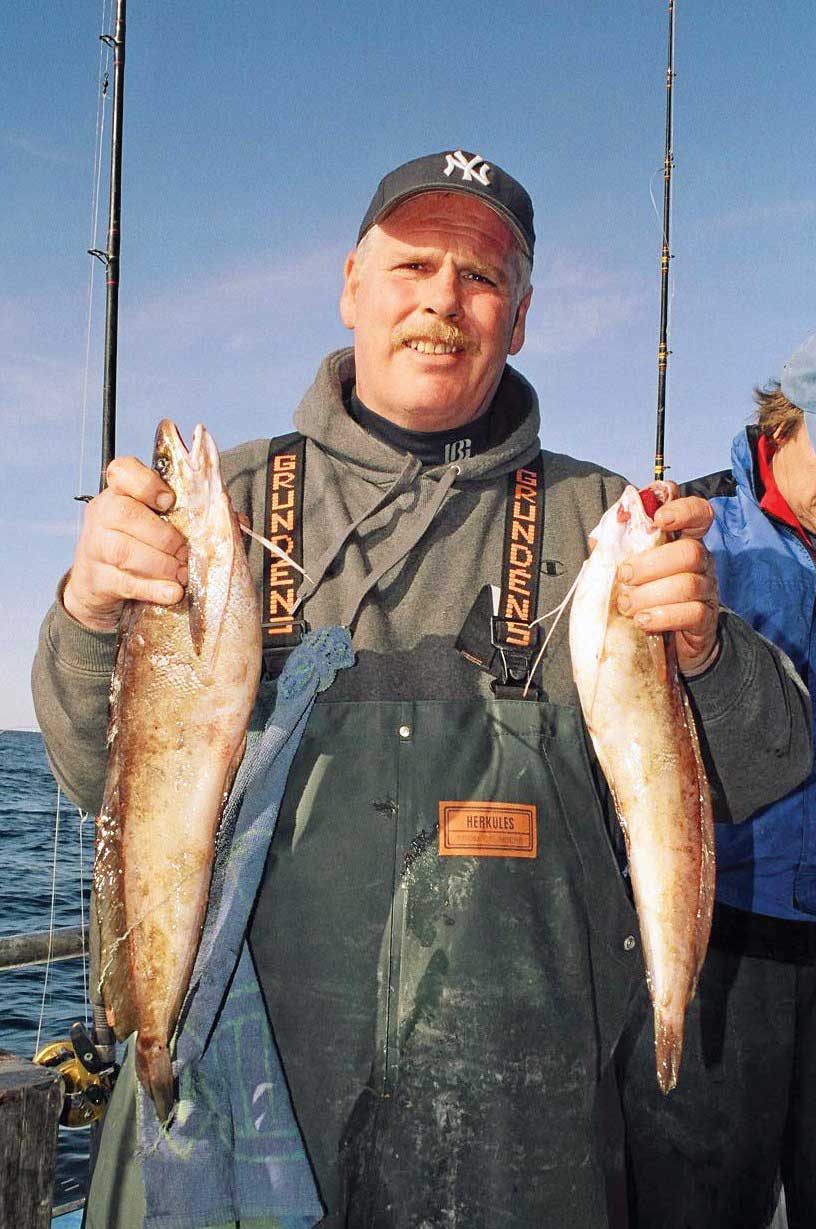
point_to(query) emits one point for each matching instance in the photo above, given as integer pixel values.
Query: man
(745, 1108)
(446, 946)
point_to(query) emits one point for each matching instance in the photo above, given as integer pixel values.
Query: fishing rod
(87, 1061)
(665, 256)
(110, 257)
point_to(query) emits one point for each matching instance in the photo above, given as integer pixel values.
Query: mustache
(437, 332)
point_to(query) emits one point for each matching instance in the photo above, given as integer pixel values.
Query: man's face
(432, 300)
(794, 468)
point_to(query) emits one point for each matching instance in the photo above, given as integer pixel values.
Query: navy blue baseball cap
(798, 381)
(457, 171)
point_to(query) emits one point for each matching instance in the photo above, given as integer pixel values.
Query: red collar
(773, 501)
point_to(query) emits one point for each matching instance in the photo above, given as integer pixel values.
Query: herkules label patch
(488, 829)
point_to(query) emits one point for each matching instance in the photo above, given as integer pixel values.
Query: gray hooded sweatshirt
(442, 1020)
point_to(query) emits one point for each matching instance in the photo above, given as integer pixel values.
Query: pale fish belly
(643, 731)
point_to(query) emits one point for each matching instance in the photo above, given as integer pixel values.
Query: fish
(642, 727)
(183, 687)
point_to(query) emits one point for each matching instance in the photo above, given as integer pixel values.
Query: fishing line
(102, 95)
(51, 920)
(558, 612)
(83, 817)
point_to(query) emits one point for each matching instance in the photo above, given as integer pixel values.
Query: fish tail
(668, 1050)
(155, 1071)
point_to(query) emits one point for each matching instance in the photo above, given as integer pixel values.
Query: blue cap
(798, 381)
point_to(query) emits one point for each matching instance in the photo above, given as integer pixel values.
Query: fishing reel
(87, 1079)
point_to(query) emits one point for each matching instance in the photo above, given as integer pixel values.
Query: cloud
(764, 212)
(39, 389)
(237, 308)
(576, 302)
(36, 149)
(231, 313)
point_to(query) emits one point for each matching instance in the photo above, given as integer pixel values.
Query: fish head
(203, 514)
(171, 461)
(626, 529)
(194, 476)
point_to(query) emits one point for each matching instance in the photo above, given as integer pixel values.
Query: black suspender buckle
(515, 647)
(278, 638)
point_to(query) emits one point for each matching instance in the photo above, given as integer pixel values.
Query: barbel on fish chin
(642, 727)
(183, 687)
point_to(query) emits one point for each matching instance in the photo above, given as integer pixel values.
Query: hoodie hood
(323, 418)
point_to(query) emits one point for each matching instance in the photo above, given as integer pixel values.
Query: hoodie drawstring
(443, 486)
(401, 483)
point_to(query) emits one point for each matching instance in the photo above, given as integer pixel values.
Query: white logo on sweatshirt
(459, 450)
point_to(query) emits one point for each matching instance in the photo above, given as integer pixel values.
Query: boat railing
(42, 946)
(21, 1090)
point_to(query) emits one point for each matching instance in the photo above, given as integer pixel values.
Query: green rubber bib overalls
(447, 949)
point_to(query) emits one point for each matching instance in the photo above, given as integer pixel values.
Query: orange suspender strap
(281, 631)
(496, 636)
(512, 635)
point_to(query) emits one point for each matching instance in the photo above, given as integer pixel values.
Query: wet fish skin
(642, 727)
(183, 687)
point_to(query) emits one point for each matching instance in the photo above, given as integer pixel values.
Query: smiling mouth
(432, 347)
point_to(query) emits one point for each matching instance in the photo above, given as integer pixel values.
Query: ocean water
(28, 809)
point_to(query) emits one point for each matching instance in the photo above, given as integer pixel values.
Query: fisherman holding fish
(745, 1107)
(443, 933)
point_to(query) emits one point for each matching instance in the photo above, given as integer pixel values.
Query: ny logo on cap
(458, 162)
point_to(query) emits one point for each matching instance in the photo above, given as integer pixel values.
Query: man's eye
(479, 277)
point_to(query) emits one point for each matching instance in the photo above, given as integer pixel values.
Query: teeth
(429, 347)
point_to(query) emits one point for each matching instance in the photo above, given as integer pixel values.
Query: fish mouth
(169, 451)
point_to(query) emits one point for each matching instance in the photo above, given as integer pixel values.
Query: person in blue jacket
(709, 1156)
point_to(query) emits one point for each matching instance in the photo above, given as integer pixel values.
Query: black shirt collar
(429, 447)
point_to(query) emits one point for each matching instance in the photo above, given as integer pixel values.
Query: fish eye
(162, 465)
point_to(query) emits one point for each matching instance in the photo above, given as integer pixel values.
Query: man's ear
(348, 298)
(517, 336)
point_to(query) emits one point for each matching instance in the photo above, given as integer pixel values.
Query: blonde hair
(776, 417)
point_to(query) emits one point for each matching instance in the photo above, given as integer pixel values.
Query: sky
(255, 134)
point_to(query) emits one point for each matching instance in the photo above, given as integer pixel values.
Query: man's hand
(673, 588)
(125, 549)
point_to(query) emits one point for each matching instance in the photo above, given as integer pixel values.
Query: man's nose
(442, 293)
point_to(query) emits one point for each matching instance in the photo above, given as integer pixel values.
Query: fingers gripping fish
(183, 687)
(640, 721)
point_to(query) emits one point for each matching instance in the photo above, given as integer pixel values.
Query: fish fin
(232, 770)
(705, 899)
(668, 1051)
(120, 1007)
(659, 653)
(206, 603)
(155, 1071)
(115, 981)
